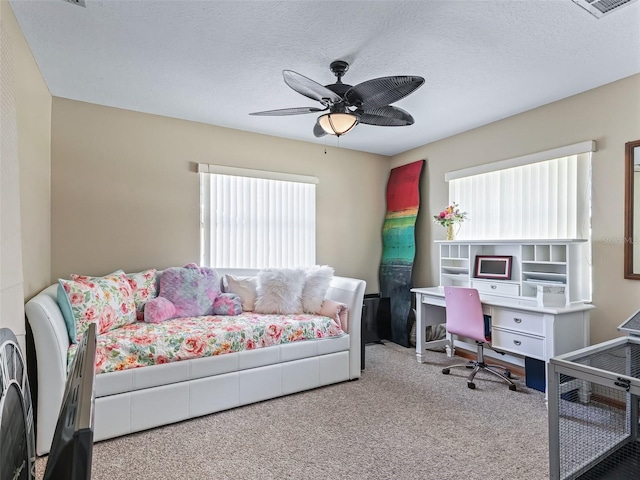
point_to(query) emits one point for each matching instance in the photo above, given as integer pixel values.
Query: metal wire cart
(594, 399)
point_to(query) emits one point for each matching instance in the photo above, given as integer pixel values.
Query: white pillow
(317, 279)
(279, 291)
(245, 288)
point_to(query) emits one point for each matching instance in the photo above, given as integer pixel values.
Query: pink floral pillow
(143, 285)
(106, 301)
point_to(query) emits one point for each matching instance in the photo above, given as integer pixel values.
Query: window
(537, 196)
(256, 219)
(545, 195)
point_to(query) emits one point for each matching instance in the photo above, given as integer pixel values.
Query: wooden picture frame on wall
(631, 269)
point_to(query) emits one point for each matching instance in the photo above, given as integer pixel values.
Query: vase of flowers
(449, 217)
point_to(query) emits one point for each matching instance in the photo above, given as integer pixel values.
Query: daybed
(137, 399)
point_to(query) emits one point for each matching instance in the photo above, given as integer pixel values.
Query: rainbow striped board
(399, 246)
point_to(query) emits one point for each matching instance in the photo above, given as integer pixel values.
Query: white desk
(518, 326)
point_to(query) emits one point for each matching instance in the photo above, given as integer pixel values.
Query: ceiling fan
(346, 105)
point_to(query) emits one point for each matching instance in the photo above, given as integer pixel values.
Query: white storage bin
(551, 295)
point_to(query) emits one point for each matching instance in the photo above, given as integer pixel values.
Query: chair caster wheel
(507, 373)
(446, 371)
(512, 388)
(471, 385)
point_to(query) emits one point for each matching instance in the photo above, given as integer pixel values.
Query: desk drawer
(431, 300)
(525, 322)
(516, 343)
(496, 288)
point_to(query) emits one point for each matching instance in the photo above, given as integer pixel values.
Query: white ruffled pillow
(279, 291)
(317, 279)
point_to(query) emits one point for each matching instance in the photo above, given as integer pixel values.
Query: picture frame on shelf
(493, 267)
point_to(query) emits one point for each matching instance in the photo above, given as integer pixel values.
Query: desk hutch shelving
(559, 263)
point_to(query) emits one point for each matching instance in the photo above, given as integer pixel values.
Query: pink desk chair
(465, 318)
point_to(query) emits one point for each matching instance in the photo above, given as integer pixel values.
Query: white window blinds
(546, 199)
(252, 222)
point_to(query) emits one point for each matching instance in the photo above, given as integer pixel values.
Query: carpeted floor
(401, 420)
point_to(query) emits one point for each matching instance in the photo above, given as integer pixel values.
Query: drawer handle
(494, 287)
(517, 320)
(517, 342)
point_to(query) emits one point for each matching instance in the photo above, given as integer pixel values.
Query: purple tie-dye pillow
(191, 289)
(227, 304)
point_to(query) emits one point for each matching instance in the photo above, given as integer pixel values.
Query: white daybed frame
(133, 400)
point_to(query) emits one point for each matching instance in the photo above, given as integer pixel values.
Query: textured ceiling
(216, 61)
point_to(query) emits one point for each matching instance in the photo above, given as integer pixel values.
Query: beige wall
(33, 112)
(610, 115)
(125, 194)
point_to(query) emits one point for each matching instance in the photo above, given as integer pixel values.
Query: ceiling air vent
(82, 4)
(600, 8)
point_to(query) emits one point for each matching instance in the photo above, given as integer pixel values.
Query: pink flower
(124, 291)
(89, 314)
(143, 339)
(101, 358)
(161, 359)
(232, 328)
(76, 298)
(274, 331)
(107, 319)
(333, 330)
(193, 347)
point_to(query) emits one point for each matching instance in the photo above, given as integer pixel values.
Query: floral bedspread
(142, 344)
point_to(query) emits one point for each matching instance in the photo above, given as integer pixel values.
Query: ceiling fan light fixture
(368, 102)
(338, 123)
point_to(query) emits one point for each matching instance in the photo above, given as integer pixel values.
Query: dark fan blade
(385, 117)
(307, 87)
(318, 131)
(289, 111)
(382, 91)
